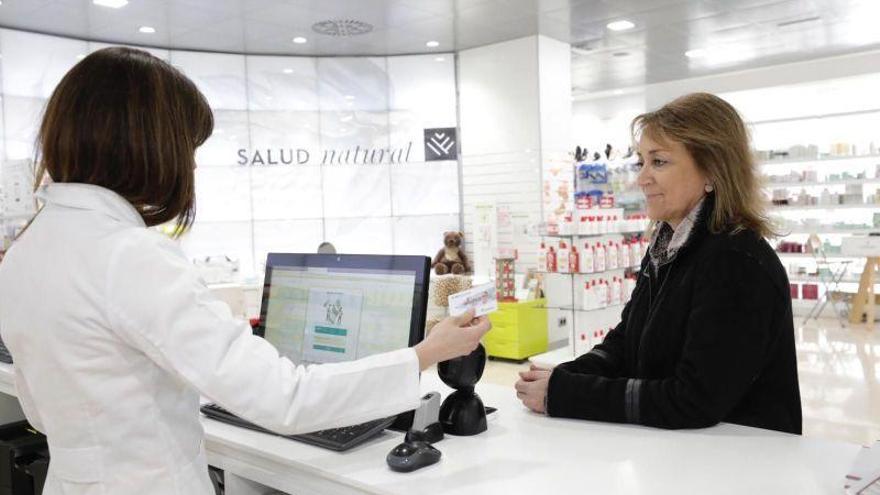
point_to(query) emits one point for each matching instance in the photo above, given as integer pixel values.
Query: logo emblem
(440, 144)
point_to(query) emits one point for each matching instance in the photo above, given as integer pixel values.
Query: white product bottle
(630, 286)
(542, 257)
(606, 301)
(600, 257)
(596, 301)
(585, 296)
(634, 250)
(621, 289)
(583, 226)
(562, 258)
(600, 222)
(574, 263)
(612, 260)
(614, 300)
(624, 255)
(587, 259)
(565, 228)
(589, 294)
(551, 260)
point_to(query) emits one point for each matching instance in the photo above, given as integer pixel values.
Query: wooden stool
(864, 302)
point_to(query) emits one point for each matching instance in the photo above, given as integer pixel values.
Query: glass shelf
(633, 267)
(809, 161)
(579, 310)
(847, 182)
(569, 236)
(864, 206)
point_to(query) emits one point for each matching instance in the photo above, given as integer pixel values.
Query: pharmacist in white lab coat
(113, 334)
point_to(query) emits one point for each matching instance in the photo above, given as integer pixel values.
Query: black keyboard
(4, 353)
(338, 439)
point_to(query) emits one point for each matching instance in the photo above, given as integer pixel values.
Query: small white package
(480, 298)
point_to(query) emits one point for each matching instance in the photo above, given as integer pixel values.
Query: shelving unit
(845, 133)
(812, 256)
(805, 230)
(830, 183)
(570, 236)
(810, 161)
(864, 206)
(578, 314)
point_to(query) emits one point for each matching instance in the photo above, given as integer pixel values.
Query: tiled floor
(839, 371)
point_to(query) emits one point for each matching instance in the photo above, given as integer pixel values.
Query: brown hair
(716, 137)
(127, 121)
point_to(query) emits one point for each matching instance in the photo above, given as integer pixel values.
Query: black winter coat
(709, 338)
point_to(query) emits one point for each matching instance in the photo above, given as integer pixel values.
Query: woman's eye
(639, 164)
(659, 163)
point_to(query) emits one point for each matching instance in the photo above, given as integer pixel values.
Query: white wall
(270, 102)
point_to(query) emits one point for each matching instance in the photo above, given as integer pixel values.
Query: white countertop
(523, 452)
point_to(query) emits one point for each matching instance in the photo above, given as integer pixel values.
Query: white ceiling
(738, 34)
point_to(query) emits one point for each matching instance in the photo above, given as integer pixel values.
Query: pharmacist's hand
(453, 337)
(531, 389)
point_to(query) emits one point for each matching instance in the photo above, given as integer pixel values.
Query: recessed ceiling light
(620, 25)
(147, 29)
(349, 97)
(299, 40)
(288, 71)
(618, 91)
(80, 56)
(113, 4)
(432, 44)
(696, 53)
(439, 59)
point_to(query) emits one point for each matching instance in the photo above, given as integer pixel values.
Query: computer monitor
(323, 308)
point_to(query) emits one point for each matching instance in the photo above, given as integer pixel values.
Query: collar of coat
(90, 197)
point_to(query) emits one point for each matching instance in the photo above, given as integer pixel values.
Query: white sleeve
(23, 392)
(158, 304)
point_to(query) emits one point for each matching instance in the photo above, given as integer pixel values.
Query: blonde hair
(716, 137)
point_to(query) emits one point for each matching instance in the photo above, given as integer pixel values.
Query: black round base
(463, 413)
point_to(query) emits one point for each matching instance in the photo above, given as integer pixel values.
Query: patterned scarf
(666, 241)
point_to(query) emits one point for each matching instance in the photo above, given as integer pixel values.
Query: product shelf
(571, 236)
(610, 270)
(863, 206)
(846, 182)
(810, 161)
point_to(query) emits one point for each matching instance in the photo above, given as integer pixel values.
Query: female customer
(708, 334)
(113, 333)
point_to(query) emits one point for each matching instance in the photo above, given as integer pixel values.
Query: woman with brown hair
(708, 334)
(113, 332)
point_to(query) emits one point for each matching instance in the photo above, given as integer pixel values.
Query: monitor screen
(330, 308)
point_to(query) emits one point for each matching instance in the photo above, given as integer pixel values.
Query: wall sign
(441, 144)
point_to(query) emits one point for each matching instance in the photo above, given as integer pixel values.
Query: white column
(514, 117)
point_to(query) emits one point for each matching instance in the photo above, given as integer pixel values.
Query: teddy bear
(451, 257)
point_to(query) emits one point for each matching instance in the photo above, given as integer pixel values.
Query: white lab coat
(114, 337)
